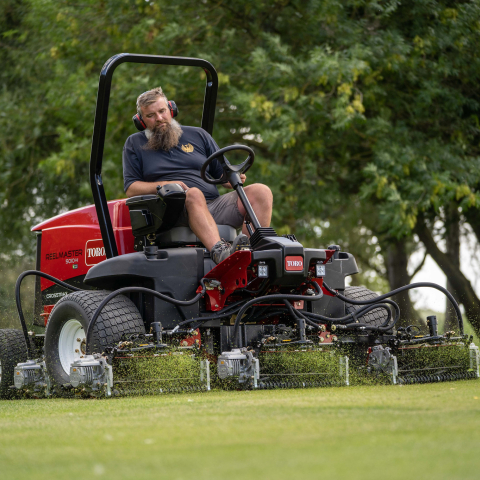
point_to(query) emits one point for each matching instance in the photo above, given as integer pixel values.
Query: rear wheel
(375, 317)
(65, 336)
(13, 350)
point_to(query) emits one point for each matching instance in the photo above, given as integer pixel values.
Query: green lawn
(388, 432)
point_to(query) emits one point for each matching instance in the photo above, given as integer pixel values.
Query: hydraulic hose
(30, 351)
(399, 290)
(229, 310)
(121, 291)
(307, 320)
(346, 321)
(385, 326)
(202, 320)
(299, 319)
(263, 286)
(271, 298)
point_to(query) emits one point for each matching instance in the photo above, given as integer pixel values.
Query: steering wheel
(226, 165)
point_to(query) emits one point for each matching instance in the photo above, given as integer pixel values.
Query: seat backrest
(151, 214)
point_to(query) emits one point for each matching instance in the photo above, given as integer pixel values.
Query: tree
(363, 110)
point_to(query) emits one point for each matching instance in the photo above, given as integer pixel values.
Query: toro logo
(94, 252)
(293, 264)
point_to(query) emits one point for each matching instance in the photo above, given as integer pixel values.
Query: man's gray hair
(149, 97)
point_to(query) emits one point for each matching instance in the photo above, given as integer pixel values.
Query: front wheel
(65, 336)
(13, 350)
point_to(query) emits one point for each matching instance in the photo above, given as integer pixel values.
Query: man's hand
(181, 184)
(185, 187)
(243, 177)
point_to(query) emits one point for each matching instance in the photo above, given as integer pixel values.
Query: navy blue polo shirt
(182, 163)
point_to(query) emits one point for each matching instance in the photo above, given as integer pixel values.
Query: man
(167, 152)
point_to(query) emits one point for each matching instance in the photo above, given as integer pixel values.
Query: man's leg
(261, 199)
(201, 221)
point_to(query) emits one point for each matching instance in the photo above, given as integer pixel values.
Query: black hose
(120, 291)
(30, 351)
(250, 319)
(358, 313)
(229, 310)
(399, 290)
(385, 326)
(298, 320)
(263, 286)
(397, 312)
(226, 313)
(346, 323)
(369, 305)
(347, 318)
(264, 312)
(270, 298)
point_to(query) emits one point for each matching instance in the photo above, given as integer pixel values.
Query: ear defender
(138, 121)
(173, 108)
(140, 124)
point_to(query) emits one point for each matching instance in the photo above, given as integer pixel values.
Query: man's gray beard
(164, 138)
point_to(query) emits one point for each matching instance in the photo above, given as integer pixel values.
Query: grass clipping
(181, 371)
(306, 368)
(171, 372)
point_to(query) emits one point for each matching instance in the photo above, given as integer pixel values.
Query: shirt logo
(187, 148)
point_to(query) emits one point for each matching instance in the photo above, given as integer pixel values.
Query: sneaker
(220, 251)
(241, 241)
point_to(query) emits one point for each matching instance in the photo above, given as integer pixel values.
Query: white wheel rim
(71, 344)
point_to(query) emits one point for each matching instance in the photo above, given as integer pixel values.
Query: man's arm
(146, 188)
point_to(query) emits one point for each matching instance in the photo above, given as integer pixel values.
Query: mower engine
(32, 378)
(239, 363)
(92, 374)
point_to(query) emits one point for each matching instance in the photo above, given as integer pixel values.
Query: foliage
(8, 310)
(362, 110)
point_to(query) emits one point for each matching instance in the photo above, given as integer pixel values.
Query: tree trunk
(460, 283)
(397, 261)
(452, 239)
(472, 215)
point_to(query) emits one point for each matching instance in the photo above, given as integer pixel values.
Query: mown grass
(419, 431)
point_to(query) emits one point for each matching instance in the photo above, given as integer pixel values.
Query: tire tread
(120, 316)
(375, 317)
(13, 350)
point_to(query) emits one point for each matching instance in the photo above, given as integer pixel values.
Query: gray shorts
(224, 210)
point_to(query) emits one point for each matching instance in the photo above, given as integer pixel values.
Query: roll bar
(100, 126)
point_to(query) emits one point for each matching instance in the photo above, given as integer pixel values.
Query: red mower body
(69, 244)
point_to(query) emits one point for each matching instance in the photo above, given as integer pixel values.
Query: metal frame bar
(100, 126)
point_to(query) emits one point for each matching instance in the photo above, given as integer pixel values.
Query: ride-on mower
(132, 304)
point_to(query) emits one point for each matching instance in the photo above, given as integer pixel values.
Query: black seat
(181, 236)
(157, 214)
